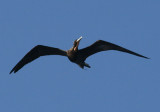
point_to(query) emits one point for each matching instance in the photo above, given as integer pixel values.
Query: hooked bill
(79, 39)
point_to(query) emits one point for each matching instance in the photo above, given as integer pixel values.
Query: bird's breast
(72, 56)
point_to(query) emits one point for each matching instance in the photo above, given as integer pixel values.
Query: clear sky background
(116, 81)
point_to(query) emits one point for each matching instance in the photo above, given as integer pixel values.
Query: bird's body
(73, 54)
(76, 57)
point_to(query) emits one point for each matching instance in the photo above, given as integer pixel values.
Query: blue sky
(116, 81)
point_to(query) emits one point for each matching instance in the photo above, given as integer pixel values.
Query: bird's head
(76, 44)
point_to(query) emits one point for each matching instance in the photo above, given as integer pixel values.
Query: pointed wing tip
(11, 72)
(146, 57)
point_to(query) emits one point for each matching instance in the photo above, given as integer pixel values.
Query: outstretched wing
(101, 45)
(35, 53)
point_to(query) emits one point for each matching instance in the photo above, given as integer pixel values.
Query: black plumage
(74, 55)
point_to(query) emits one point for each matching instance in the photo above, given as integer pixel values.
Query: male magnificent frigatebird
(73, 54)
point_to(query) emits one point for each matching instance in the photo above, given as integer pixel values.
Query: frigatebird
(74, 54)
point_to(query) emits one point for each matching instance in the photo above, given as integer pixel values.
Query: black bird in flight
(73, 54)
